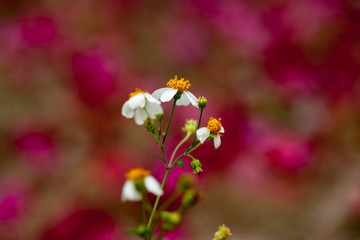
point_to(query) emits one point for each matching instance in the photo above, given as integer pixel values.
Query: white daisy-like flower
(134, 107)
(213, 128)
(173, 87)
(129, 191)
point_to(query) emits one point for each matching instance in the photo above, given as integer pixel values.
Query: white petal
(154, 108)
(151, 98)
(127, 111)
(217, 141)
(153, 186)
(183, 101)
(222, 130)
(140, 116)
(158, 93)
(137, 101)
(129, 192)
(192, 98)
(168, 95)
(202, 134)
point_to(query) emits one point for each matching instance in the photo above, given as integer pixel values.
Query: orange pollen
(136, 92)
(214, 126)
(179, 84)
(137, 173)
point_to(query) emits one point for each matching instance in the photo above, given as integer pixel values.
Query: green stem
(162, 149)
(143, 209)
(168, 124)
(178, 146)
(198, 126)
(159, 142)
(196, 146)
(158, 198)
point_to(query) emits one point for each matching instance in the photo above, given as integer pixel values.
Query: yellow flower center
(214, 126)
(136, 92)
(179, 84)
(137, 173)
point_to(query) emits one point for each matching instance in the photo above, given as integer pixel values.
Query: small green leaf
(180, 163)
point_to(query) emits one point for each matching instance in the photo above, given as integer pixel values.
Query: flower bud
(159, 116)
(202, 102)
(196, 166)
(141, 230)
(185, 182)
(223, 233)
(173, 218)
(190, 197)
(190, 126)
(150, 125)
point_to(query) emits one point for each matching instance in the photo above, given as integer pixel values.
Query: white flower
(129, 191)
(214, 128)
(173, 87)
(134, 107)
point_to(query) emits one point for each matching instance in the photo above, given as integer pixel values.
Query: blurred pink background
(282, 74)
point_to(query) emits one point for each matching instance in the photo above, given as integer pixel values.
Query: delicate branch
(158, 198)
(168, 124)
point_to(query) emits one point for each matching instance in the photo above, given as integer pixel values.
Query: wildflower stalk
(198, 126)
(168, 124)
(158, 198)
(178, 146)
(159, 142)
(168, 169)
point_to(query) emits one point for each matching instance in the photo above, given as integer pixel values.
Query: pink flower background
(282, 74)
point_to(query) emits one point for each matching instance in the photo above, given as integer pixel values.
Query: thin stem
(196, 146)
(158, 198)
(198, 126)
(168, 124)
(159, 142)
(143, 210)
(178, 146)
(162, 149)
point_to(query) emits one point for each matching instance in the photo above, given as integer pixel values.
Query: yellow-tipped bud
(223, 233)
(190, 126)
(202, 102)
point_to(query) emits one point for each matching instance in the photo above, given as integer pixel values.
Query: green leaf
(155, 156)
(180, 163)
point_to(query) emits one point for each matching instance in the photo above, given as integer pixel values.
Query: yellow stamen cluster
(137, 173)
(214, 126)
(136, 92)
(179, 84)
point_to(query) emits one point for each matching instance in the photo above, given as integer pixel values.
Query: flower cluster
(146, 108)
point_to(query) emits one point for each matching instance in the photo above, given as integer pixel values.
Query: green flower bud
(190, 126)
(190, 197)
(159, 116)
(185, 182)
(202, 102)
(223, 233)
(196, 166)
(150, 125)
(141, 230)
(173, 218)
